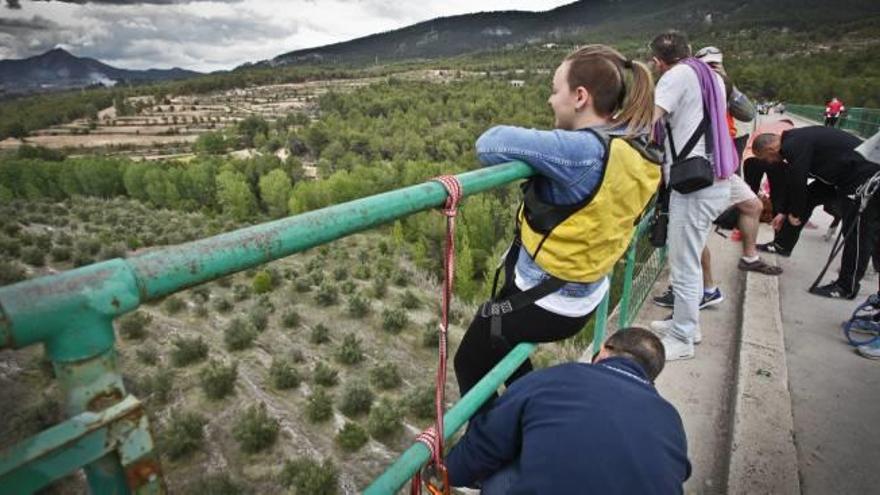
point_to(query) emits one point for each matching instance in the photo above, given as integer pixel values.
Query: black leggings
(476, 355)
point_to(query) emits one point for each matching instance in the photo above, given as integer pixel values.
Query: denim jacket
(569, 166)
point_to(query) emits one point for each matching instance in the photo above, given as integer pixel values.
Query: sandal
(759, 266)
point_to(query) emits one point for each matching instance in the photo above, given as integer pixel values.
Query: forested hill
(615, 20)
(59, 69)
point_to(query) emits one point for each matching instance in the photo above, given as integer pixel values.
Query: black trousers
(477, 354)
(861, 243)
(818, 193)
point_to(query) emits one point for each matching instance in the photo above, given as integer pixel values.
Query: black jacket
(825, 154)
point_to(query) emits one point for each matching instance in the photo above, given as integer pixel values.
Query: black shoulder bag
(687, 175)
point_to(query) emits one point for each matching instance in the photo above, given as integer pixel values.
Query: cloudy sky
(212, 35)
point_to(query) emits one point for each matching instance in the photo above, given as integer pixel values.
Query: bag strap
(703, 129)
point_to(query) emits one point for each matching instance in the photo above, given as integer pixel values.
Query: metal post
(626, 295)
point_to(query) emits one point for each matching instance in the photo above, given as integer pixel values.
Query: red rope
(433, 436)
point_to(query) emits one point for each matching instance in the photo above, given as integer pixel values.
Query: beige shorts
(739, 190)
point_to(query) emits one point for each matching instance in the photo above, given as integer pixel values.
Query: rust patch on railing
(104, 399)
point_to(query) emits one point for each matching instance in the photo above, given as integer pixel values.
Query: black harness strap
(496, 309)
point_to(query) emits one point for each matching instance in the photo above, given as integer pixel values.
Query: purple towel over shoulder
(725, 156)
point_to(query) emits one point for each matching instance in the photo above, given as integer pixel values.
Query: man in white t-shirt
(679, 101)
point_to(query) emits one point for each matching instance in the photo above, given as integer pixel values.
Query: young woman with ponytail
(594, 176)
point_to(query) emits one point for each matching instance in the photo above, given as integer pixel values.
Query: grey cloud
(150, 36)
(35, 23)
(13, 4)
(131, 2)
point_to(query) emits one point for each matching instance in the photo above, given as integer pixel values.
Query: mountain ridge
(59, 69)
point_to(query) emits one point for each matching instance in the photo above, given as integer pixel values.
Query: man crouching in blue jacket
(580, 428)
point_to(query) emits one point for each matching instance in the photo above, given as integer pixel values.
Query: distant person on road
(691, 101)
(580, 428)
(833, 110)
(594, 176)
(828, 156)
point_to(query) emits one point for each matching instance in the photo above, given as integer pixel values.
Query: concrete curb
(763, 458)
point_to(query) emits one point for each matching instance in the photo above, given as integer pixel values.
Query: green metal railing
(72, 314)
(864, 122)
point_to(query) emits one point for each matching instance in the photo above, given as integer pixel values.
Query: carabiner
(434, 473)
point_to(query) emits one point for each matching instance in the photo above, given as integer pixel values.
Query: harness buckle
(491, 309)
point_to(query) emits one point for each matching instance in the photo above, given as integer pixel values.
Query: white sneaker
(664, 327)
(870, 351)
(677, 350)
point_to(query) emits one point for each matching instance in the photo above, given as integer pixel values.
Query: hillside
(614, 20)
(58, 69)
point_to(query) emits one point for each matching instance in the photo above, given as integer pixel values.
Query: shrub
(394, 320)
(259, 318)
(320, 406)
(82, 258)
(239, 335)
(214, 484)
(202, 293)
(325, 375)
(60, 253)
(147, 355)
(11, 272)
(290, 318)
(111, 251)
(401, 278)
(183, 434)
(385, 376)
(240, 292)
(262, 282)
(222, 305)
(320, 334)
(10, 246)
(133, 325)
(380, 287)
(384, 420)
(218, 380)
(33, 256)
(159, 385)
(350, 351)
(173, 305)
(347, 287)
(340, 273)
(363, 272)
(255, 429)
(200, 310)
(409, 300)
(327, 295)
(306, 476)
(188, 351)
(302, 285)
(357, 398)
(352, 437)
(264, 302)
(283, 375)
(420, 402)
(225, 281)
(431, 334)
(317, 278)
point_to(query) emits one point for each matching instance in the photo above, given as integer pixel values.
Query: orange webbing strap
(438, 481)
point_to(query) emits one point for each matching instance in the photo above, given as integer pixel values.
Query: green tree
(320, 406)
(255, 429)
(183, 433)
(275, 189)
(234, 195)
(306, 476)
(352, 437)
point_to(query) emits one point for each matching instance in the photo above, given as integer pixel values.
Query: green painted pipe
(166, 271)
(417, 455)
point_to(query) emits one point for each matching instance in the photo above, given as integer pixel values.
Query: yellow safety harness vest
(581, 242)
